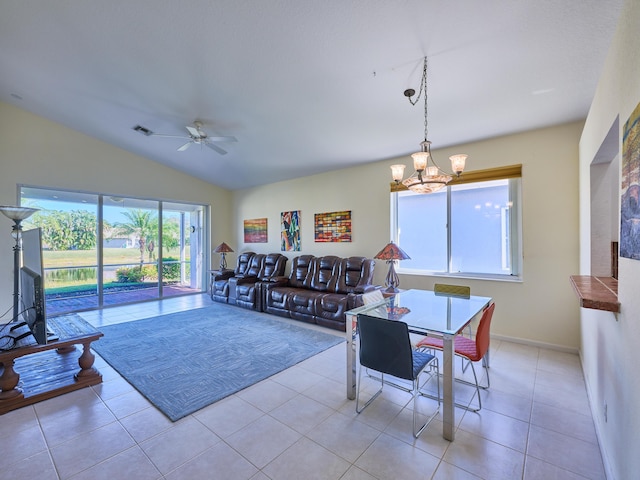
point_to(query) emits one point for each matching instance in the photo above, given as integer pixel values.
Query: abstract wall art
(290, 231)
(630, 188)
(255, 230)
(333, 226)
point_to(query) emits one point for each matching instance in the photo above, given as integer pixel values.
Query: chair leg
(417, 393)
(358, 409)
(473, 369)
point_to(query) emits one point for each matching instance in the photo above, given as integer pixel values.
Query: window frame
(511, 173)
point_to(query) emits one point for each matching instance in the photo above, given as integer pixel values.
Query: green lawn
(66, 278)
(77, 258)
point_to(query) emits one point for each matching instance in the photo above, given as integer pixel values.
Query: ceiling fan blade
(223, 139)
(216, 148)
(193, 131)
(184, 147)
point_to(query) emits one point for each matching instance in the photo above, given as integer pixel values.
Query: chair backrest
(273, 266)
(385, 346)
(255, 265)
(482, 334)
(355, 274)
(374, 296)
(243, 263)
(325, 273)
(300, 271)
(457, 290)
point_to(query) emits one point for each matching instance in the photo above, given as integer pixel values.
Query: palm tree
(143, 224)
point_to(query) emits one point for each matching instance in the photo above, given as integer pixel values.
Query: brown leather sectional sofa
(243, 286)
(318, 290)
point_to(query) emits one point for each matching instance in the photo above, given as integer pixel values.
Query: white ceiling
(305, 86)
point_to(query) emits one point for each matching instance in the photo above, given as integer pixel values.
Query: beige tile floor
(535, 424)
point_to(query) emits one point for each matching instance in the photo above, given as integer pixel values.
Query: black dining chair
(385, 347)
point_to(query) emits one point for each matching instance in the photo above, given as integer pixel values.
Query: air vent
(143, 130)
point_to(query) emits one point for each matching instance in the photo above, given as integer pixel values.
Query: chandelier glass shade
(428, 177)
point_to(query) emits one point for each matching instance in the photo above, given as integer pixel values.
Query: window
(101, 250)
(469, 228)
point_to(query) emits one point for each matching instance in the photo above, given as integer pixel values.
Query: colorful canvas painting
(255, 230)
(630, 188)
(290, 231)
(333, 227)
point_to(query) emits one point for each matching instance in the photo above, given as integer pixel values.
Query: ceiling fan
(199, 137)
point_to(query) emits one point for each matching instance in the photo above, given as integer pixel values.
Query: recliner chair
(220, 284)
(248, 290)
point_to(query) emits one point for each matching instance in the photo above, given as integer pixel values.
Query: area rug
(182, 362)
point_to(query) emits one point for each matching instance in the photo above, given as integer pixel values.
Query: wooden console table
(49, 370)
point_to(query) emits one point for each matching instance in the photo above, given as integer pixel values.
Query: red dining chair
(474, 350)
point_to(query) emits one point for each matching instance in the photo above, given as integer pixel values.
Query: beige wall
(609, 343)
(541, 309)
(37, 152)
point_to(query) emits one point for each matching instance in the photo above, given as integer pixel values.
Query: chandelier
(428, 176)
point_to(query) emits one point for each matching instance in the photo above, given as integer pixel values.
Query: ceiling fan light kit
(196, 136)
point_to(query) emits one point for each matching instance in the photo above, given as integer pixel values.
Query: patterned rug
(184, 361)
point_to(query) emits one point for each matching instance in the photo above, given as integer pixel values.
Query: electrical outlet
(605, 412)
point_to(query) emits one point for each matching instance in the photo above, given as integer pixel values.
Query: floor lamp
(17, 214)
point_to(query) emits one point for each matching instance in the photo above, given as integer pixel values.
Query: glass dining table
(426, 313)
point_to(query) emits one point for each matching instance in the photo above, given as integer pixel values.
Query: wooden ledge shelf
(600, 293)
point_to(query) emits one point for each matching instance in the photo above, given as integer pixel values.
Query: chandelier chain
(421, 90)
(424, 85)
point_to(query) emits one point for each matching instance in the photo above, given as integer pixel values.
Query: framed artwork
(630, 188)
(333, 226)
(290, 231)
(255, 230)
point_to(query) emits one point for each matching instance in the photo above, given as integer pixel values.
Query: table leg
(9, 382)
(448, 395)
(86, 364)
(351, 356)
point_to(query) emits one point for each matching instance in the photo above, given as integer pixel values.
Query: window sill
(465, 276)
(599, 293)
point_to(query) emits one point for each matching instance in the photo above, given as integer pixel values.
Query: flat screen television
(33, 303)
(32, 296)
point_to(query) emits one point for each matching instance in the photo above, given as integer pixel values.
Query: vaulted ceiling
(304, 86)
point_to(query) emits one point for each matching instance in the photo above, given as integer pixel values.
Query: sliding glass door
(102, 250)
(130, 250)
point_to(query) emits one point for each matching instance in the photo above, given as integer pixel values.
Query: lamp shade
(222, 248)
(392, 252)
(17, 213)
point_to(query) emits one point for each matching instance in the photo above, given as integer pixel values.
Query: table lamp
(17, 214)
(223, 249)
(391, 252)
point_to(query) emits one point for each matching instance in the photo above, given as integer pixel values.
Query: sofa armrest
(243, 280)
(280, 281)
(223, 275)
(360, 289)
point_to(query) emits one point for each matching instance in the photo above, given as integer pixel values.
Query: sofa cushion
(302, 305)
(272, 266)
(243, 263)
(300, 271)
(325, 272)
(356, 275)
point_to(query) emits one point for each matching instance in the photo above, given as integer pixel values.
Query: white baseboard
(532, 343)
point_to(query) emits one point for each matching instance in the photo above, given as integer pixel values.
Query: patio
(57, 306)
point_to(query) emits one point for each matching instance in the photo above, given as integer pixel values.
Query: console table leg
(9, 381)
(86, 363)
